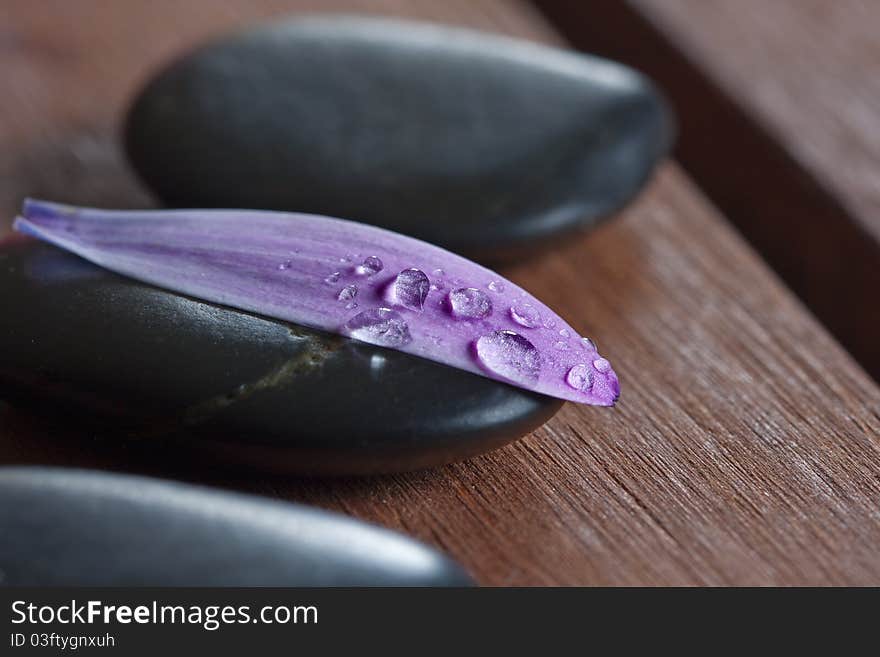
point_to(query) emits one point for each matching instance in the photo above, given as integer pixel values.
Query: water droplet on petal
(285, 265)
(601, 365)
(564, 332)
(561, 346)
(549, 323)
(469, 303)
(589, 344)
(510, 356)
(351, 305)
(580, 377)
(347, 293)
(380, 326)
(410, 289)
(496, 286)
(526, 315)
(371, 265)
(439, 272)
(332, 278)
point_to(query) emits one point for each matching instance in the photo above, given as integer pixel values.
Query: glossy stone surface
(65, 527)
(141, 364)
(478, 143)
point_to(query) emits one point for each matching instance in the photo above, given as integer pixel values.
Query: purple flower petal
(308, 269)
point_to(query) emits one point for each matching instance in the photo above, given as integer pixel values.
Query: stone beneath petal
(64, 527)
(134, 362)
(482, 144)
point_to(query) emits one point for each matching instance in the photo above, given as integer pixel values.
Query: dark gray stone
(64, 527)
(478, 143)
(163, 371)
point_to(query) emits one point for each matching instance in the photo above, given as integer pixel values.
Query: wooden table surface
(779, 104)
(746, 445)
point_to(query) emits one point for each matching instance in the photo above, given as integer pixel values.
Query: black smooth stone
(478, 143)
(165, 371)
(65, 527)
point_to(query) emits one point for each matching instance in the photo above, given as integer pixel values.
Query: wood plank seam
(823, 251)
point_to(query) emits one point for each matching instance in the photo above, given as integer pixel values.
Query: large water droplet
(332, 278)
(410, 289)
(580, 377)
(496, 286)
(510, 356)
(589, 344)
(526, 315)
(347, 293)
(469, 303)
(380, 326)
(371, 265)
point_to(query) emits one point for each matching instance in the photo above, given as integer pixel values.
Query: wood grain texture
(806, 69)
(760, 117)
(746, 445)
(801, 176)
